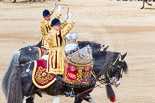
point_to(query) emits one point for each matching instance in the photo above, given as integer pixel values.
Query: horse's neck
(103, 61)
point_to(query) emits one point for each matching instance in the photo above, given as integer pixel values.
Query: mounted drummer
(46, 23)
(56, 44)
(61, 51)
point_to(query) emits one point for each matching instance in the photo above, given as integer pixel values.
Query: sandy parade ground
(121, 25)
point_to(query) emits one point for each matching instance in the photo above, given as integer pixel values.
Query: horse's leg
(14, 1)
(148, 3)
(28, 1)
(30, 99)
(92, 100)
(84, 96)
(89, 99)
(143, 4)
(78, 99)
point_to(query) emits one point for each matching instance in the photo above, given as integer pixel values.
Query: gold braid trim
(39, 50)
(78, 64)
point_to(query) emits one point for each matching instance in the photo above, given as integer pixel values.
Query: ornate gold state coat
(46, 27)
(56, 43)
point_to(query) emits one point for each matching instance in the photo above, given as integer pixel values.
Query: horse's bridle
(105, 79)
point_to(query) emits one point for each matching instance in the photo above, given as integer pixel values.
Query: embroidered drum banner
(77, 74)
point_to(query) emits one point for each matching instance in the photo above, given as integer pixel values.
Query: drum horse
(17, 84)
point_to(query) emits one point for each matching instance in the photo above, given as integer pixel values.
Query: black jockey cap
(55, 22)
(46, 13)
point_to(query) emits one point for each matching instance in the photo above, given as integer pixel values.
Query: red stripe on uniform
(56, 59)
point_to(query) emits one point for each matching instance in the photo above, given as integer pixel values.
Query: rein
(91, 89)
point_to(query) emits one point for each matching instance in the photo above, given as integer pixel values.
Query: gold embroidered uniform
(56, 43)
(46, 27)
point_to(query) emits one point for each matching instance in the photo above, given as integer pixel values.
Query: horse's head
(115, 72)
(108, 69)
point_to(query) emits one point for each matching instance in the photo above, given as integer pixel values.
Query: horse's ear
(106, 48)
(123, 56)
(103, 48)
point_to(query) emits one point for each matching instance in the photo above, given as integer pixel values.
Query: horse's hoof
(142, 8)
(150, 4)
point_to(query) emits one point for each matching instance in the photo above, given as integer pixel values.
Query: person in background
(46, 22)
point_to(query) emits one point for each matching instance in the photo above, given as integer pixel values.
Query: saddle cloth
(40, 77)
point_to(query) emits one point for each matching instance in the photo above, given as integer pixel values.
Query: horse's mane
(101, 54)
(91, 43)
(95, 46)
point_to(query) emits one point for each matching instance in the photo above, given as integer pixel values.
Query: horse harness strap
(91, 89)
(115, 61)
(28, 69)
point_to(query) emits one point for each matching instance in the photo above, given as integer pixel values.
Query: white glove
(59, 8)
(66, 17)
(69, 15)
(54, 7)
